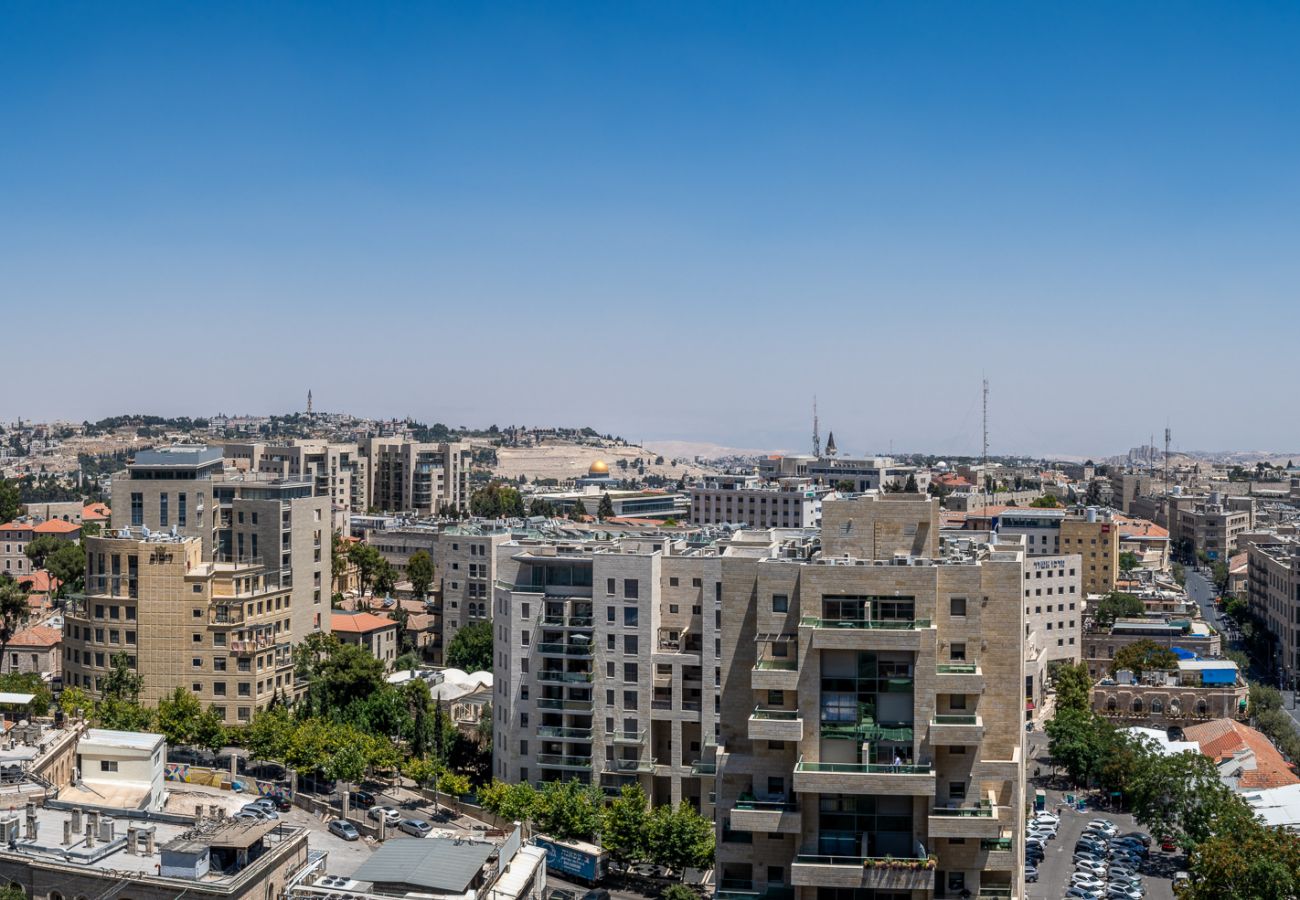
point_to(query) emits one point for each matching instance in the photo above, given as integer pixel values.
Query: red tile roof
(359, 623)
(1222, 738)
(56, 526)
(38, 581)
(95, 512)
(36, 636)
(16, 526)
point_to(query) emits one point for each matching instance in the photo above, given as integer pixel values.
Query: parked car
(597, 894)
(1086, 881)
(389, 816)
(363, 799)
(259, 812)
(1090, 866)
(345, 830)
(265, 803)
(1168, 844)
(1120, 892)
(415, 827)
(249, 815)
(1078, 893)
(1031, 874)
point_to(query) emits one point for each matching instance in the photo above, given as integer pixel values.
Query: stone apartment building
(37, 648)
(337, 471)
(416, 477)
(224, 629)
(1210, 525)
(744, 500)
(1273, 591)
(872, 711)
(1094, 537)
(376, 634)
(15, 536)
(1101, 644)
(605, 664)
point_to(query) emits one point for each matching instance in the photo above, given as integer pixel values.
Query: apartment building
(1040, 527)
(377, 635)
(222, 628)
(1273, 591)
(416, 477)
(258, 519)
(872, 699)
(605, 668)
(1095, 539)
(1211, 525)
(1053, 620)
(16, 535)
(337, 471)
(745, 500)
(1127, 487)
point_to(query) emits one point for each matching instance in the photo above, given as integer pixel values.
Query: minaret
(817, 438)
(309, 401)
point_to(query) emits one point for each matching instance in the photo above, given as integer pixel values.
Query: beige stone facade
(1273, 591)
(872, 706)
(1095, 539)
(420, 478)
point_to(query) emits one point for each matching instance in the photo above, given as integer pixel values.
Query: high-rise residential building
(1210, 525)
(1273, 579)
(605, 664)
(417, 477)
(745, 500)
(872, 705)
(1094, 537)
(222, 628)
(337, 471)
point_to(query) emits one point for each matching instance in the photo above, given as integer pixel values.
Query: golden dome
(599, 467)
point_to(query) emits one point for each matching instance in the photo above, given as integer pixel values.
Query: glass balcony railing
(566, 762)
(869, 624)
(956, 668)
(955, 719)
(564, 677)
(983, 811)
(555, 649)
(550, 731)
(864, 768)
(996, 844)
(566, 705)
(773, 805)
(777, 665)
(780, 715)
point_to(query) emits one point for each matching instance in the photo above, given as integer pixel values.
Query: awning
(1029, 706)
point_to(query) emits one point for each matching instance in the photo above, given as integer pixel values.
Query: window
(218, 688)
(610, 614)
(672, 582)
(164, 513)
(197, 662)
(631, 588)
(108, 765)
(957, 606)
(137, 509)
(630, 644)
(957, 652)
(631, 615)
(629, 672)
(629, 700)
(609, 586)
(775, 698)
(180, 510)
(780, 603)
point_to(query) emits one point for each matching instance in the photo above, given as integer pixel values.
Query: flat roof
(178, 456)
(126, 740)
(7, 697)
(439, 864)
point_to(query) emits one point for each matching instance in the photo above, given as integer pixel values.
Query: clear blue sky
(665, 220)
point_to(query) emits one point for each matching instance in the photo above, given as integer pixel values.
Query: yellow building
(1095, 538)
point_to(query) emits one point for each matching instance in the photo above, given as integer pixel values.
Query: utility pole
(985, 472)
(1167, 435)
(817, 438)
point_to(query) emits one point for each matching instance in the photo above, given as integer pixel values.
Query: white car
(1119, 892)
(1087, 882)
(1045, 816)
(391, 817)
(1091, 867)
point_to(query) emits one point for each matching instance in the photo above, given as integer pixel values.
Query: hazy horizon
(669, 221)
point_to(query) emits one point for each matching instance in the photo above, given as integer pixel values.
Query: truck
(574, 860)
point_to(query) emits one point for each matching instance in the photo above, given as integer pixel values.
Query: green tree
(606, 508)
(13, 891)
(569, 810)
(367, 559)
(540, 506)
(268, 736)
(680, 838)
(119, 707)
(1078, 742)
(11, 501)
(453, 783)
(911, 487)
(1047, 501)
(178, 716)
(496, 500)
(210, 731)
(515, 802)
(1219, 575)
(419, 571)
(42, 547)
(68, 565)
(337, 674)
(624, 830)
(29, 683)
(13, 610)
(1128, 561)
(844, 486)
(578, 511)
(1116, 605)
(1073, 687)
(420, 738)
(347, 764)
(1143, 656)
(385, 578)
(471, 648)
(1181, 796)
(74, 698)
(678, 892)
(1249, 863)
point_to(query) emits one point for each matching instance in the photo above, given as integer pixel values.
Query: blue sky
(664, 220)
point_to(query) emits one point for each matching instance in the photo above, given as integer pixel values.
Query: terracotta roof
(36, 636)
(95, 511)
(38, 581)
(16, 526)
(1131, 526)
(1222, 738)
(1238, 562)
(56, 526)
(359, 623)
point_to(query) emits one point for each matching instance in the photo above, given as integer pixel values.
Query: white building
(744, 499)
(121, 768)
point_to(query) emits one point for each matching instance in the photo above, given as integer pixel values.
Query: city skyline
(518, 214)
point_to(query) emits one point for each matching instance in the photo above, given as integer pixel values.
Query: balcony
(979, 821)
(883, 874)
(579, 622)
(223, 615)
(556, 761)
(775, 675)
(582, 735)
(997, 854)
(767, 816)
(958, 678)
(949, 729)
(578, 706)
(625, 737)
(999, 769)
(863, 778)
(865, 634)
(255, 645)
(565, 677)
(775, 725)
(704, 768)
(629, 766)
(581, 650)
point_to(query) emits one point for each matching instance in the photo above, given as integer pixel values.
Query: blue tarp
(1183, 654)
(1219, 676)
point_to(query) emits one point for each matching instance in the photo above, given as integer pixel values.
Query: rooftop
(441, 865)
(1225, 739)
(180, 456)
(121, 740)
(360, 622)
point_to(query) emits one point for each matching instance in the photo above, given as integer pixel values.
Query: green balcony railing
(869, 624)
(863, 768)
(550, 731)
(767, 805)
(565, 677)
(566, 705)
(982, 811)
(819, 859)
(996, 844)
(867, 731)
(957, 668)
(555, 649)
(700, 767)
(954, 719)
(777, 665)
(567, 762)
(780, 715)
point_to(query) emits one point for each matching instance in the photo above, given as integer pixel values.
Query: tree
(1251, 863)
(1116, 605)
(514, 802)
(678, 892)
(385, 578)
(67, 565)
(419, 571)
(348, 764)
(178, 716)
(578, 511)
(338, 675)
(367, 559)
(210, 731)
(73, 699)
(570, 810)
(13, 891)
(1077, 742)
(624, 829)
(13, 610)
(11, 501)
(680, 838)
(471, 648)
(1128, 561)
(1143, 656)
(268, 735)
(844, 486)
(910, 487)
(1073, 687)
(418, 699)
(1047, 501)
(42, 547)
(606, 508)
(1181, 796)
(496, 500)
(540, 506)
(453, 783)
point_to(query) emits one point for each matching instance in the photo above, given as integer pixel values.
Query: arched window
(1201, 708)
(1157, 706)
(1111, 704)
(1174, 706)
(1137, 705)
(55, 895)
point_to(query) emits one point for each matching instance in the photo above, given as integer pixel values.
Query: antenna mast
(1166, 458)
(985, 472)
(817, 438)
